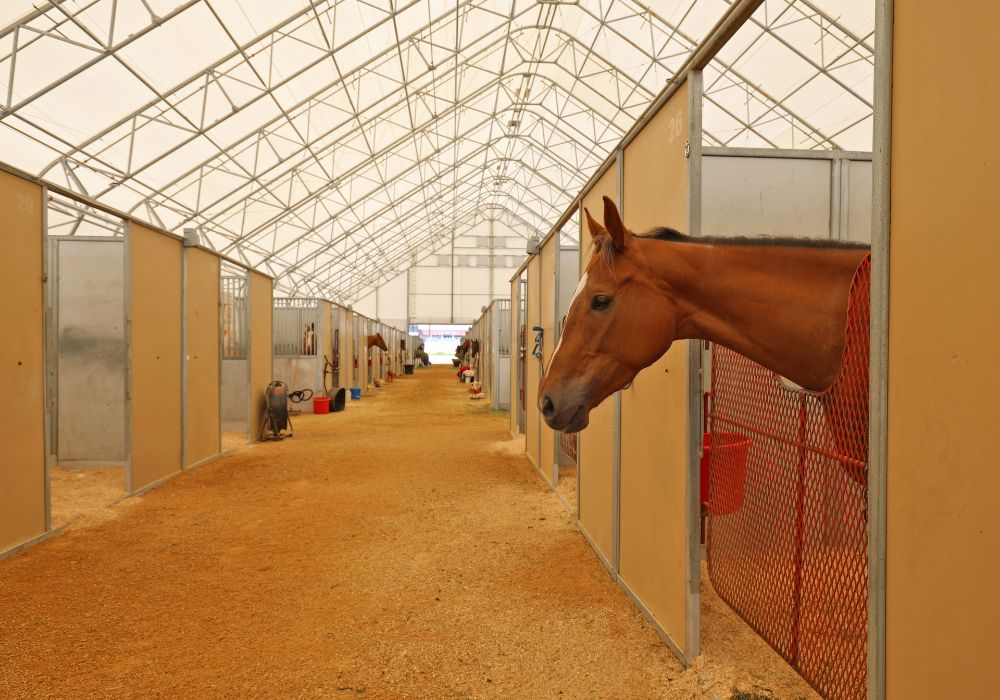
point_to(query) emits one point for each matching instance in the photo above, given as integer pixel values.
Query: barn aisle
(401, 549)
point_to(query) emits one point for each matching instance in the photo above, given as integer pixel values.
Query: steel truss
(343, 140)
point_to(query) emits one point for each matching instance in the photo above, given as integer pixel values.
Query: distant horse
(309, 339)
(780, 302)
(468, 349)
(377, 341)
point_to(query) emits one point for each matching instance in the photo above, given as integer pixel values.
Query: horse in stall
(780, 302)
(377, 341)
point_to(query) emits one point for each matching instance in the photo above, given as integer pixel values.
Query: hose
(300, 395)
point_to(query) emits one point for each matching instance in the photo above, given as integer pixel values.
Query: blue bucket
(355, 393)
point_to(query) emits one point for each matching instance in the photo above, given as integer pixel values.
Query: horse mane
(664, 233)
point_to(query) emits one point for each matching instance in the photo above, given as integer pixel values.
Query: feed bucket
(355, 393)
(407, 369)
(321, 404)
(731, 471)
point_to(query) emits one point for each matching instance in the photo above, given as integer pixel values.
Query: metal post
(695, 383)
(616, 466)
(878, 371)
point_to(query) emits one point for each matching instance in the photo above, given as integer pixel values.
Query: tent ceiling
(332, 142)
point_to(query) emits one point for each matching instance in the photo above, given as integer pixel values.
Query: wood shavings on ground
(396, 549)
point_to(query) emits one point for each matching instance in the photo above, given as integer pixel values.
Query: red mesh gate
(787, 525)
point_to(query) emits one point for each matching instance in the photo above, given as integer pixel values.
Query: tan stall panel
(261, 308)
(533, 370)
(202, 432)
(155, 279)
(654, 534)
(547, 287)
(22, 365)
(596, 444)
(943, 523)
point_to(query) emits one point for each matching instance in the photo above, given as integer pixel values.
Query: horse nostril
(548, 410)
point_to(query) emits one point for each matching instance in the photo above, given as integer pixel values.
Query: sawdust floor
(566, 486)
(85, 494)
(403, 548)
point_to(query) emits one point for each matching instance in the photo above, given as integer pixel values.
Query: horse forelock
(604, 247)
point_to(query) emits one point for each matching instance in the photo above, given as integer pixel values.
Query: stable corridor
(403, 548)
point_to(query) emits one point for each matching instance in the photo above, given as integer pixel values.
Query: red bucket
(321, 404)
(731, 466)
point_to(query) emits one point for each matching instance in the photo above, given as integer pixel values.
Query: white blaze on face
(578, 292)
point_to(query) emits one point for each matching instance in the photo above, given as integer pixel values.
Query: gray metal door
(90, 351)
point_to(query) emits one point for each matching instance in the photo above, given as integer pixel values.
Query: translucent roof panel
(332, 142)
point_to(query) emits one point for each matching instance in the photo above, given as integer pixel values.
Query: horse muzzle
(570, 418)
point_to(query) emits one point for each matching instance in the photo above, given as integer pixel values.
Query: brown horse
(377, 341)
(780, 302)
(467, 350)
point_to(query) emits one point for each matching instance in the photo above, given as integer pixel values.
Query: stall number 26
(675, 127)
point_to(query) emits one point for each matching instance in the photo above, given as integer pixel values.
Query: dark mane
(674, 236)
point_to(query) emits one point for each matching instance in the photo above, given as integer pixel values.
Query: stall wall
(22, 366)
(759, 193)
(943, 525)
(746, 196)
(547, 258)
(533, 369)
(261, 346)
(156, 353)
(597, 444)
(202, 429)
(654, 534)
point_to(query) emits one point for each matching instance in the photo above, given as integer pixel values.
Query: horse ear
(613, 223)
(596, 230)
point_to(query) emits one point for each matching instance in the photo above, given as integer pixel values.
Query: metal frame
(48, 345)
(695, 387)
(128, 354)
(879, 371)
(616, 464)
(477, 147)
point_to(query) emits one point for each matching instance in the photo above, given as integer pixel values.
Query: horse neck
(785, 307)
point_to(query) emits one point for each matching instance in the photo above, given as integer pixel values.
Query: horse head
(619, 322)
(474, 347)
(377, 341)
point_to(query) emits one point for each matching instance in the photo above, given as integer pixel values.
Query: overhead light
(533, 245)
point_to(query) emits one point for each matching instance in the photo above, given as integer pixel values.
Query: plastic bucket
(731, 465)
(321, 404)
(355, 393)
(407, 369)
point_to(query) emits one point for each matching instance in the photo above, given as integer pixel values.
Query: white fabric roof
(333, 142)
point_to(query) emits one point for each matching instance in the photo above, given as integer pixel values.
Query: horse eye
(600, 302)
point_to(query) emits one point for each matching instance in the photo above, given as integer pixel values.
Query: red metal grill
(792, 558)
(567, 443)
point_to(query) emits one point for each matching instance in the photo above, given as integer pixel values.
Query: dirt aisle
(400, 549)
